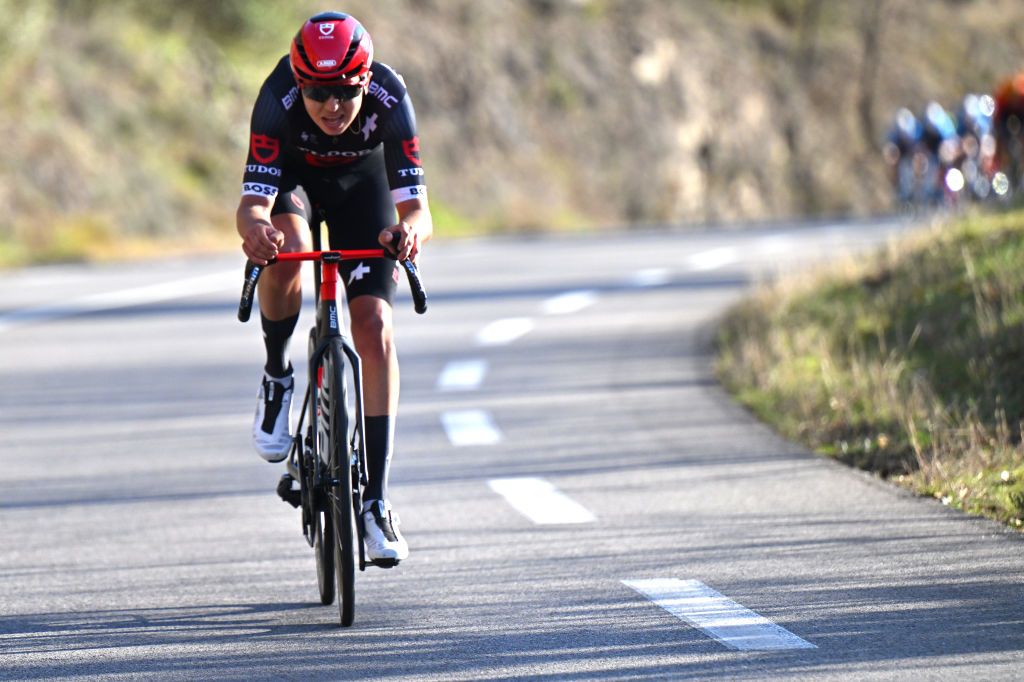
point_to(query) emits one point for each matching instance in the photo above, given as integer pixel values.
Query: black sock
(276, 335)
(379, 438)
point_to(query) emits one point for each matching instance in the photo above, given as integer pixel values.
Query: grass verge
(909, 363)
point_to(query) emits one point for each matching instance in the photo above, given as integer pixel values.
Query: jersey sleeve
(264, 165)
(402, 154)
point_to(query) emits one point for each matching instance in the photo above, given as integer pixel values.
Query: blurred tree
(871, 29)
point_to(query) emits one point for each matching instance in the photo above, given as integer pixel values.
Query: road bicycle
(327, 456)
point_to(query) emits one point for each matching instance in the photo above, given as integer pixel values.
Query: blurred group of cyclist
(975, 153)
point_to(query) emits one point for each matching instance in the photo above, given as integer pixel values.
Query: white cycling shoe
(271, 429)
(383, 540)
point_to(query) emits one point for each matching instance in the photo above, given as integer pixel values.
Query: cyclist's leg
(280, 288)
(280, 297)
(373, 334)
(354, 222)
(370, 288)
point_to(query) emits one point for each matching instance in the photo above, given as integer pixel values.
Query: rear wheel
(334, 425)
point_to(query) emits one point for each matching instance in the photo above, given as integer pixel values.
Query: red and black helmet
(331, 48)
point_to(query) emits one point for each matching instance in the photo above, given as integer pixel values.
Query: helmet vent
(329, 16)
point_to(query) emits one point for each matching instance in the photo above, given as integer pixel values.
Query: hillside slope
(129, 118)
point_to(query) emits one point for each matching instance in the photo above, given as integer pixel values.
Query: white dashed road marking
(712, 259)
(462, 375)
(504, 331)
(732, 624)
(571, 302)
(470, 427)
(540, 501)
(651, 277)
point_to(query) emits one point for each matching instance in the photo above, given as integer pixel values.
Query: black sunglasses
(322, 93)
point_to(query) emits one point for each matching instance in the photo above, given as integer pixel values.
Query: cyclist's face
(334, 115)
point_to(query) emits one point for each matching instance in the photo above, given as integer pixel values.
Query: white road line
(571, 302)
(504, 331)
(540, 501)
(470, 427)
(44, 277)
(712, 259)
(650, 277)
(732, 624)
(462, 375)
(776, 244)
(152, 293)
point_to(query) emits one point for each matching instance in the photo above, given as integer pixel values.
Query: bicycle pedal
(384, 563)
(286, 493)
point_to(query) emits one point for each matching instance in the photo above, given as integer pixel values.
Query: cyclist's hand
(402, 240)
(262, 242)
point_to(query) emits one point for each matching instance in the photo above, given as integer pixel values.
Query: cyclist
(902, 143)
(333, 135)
(1008, 126)
(938, 135)
(977, 145)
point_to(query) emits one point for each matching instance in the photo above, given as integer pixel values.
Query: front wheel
(323, 530)
(334, 426)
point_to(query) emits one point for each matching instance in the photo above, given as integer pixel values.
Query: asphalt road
(581, 499)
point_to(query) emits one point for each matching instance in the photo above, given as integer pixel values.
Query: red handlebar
(348, 254)
(252, 274)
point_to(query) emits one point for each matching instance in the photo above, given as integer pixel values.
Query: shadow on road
(482, 634)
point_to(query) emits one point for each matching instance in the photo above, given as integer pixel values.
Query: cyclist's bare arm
(260, 239)
(414, 229)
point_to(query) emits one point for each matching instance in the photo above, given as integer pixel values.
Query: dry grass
(909, 364)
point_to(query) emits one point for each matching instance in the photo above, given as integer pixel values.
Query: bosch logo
(406, 193)
(324, 63)
(326, 29)
(258, 189)
(265, 170)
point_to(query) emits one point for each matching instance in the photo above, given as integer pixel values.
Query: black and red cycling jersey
(284, 139)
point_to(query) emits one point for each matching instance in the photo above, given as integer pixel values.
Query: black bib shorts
(356, 205)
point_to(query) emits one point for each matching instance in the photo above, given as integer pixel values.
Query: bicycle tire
(334, 417)
(324, 546)
(323, 520)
